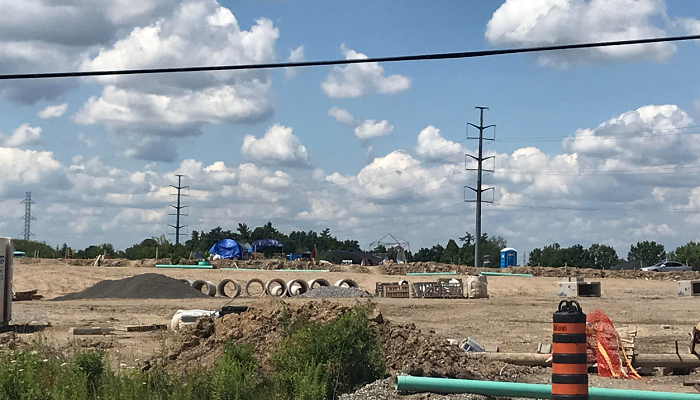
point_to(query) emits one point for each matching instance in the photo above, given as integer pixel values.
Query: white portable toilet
(5, 281)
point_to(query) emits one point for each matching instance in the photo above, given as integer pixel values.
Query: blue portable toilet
(509, 257)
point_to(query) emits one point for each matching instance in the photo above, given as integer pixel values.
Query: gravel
(323, 292)
(384, 390)
(145, 286)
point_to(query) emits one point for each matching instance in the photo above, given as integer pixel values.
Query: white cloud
(22, 170)
(196, 32)
(90, 143)
(356, 80)
(22, 136)
(296, 55)
(53, 111)
(432, 146)
(553, 22)
(343, 116)
(371, 128)
(278, 147)
(34, 38)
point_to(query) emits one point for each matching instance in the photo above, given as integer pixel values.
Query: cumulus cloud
(356, 80)
(296, 55)
(552, 22)
(24, 135)
(432, 146)
(370, 128)
(277, 147)
(343, 116)
(196, 32)
(53, 111)
(34, 38)
(89, 142)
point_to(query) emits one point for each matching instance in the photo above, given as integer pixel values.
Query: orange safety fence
(605, 348)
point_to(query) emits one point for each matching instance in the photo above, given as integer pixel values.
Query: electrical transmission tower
(178, 208)
(479, 171)
(27, 215)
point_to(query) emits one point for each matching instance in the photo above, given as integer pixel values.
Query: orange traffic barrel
(569, 360)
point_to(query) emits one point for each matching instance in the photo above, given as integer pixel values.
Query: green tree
(553, 256)
(603, 256)
(689, 253)
(648, 252)
(578, 256)
(429, 254)
(451, 253)
(31, 246)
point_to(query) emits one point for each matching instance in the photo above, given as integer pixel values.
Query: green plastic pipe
(429, 273)
(505, 274)
(275, 270)
(184, 266)
(523, 390)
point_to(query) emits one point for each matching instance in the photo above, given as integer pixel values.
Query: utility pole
(27, 215)
(479, 171)
(178, 208)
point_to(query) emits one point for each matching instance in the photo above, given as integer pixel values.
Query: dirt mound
(406, 348)
(145, 286)
(266, 264)
(563, 272)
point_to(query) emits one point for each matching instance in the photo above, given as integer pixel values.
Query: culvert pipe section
(271, 287)
(347, 282)
(255, 281)
(295, 287)
(210, 286)
(314, 283)
(221, 288)
(523, 390)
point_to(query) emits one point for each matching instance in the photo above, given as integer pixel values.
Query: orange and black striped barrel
(569, 363)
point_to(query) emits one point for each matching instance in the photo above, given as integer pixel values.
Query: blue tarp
(227, 248)
(264, 243)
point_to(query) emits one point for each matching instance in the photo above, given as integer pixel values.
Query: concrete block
(575, 279)
(689, 288)
(579, 289)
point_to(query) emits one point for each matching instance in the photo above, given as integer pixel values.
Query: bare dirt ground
(516, 317)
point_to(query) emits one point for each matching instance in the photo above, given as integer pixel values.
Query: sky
(591, 146)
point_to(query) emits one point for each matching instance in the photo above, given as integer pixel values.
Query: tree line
(460, 251)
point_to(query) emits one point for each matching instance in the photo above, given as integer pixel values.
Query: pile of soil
(145, 286)
(406, 348)
(402, 269)
(266, 264)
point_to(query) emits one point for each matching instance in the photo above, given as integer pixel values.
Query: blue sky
(100, 169)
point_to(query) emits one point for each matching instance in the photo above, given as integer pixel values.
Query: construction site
(475, 324)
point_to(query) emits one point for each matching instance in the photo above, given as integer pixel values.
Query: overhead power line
(418, 57)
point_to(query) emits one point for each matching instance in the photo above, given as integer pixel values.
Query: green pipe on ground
(504, 274)
(429, 273)
(184, 266)
(523, 390)
(275, 270)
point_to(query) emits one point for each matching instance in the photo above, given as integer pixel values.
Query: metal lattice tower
(178, 208)
(27, 215)
(478, 190)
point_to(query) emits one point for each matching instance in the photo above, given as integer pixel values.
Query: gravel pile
(323, 292)
(384, 390)
(145, 286)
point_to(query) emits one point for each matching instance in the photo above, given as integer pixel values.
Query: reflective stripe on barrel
(569, 359)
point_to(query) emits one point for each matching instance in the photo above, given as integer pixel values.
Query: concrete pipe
(403, 282)
(222, 288)
(269, 286)
(346, 282)
(259, 282)
(314, 283)
(295, 287)
(210, 286)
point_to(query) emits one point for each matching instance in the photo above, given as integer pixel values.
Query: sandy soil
(516, 317)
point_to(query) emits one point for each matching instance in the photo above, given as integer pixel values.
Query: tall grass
(315, 361)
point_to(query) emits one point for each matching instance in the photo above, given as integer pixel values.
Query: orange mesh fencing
(605, 349)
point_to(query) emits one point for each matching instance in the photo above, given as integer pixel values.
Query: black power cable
(418, 57)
